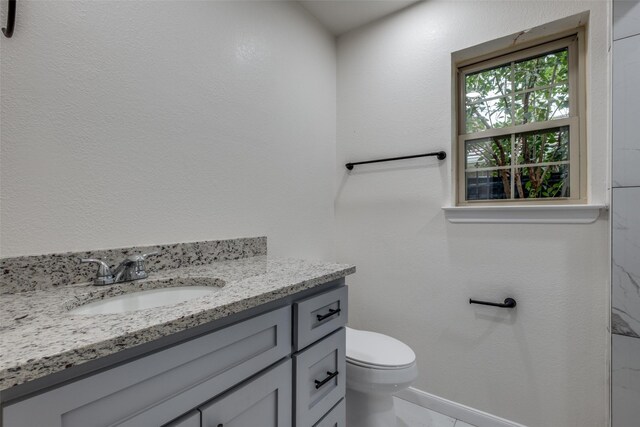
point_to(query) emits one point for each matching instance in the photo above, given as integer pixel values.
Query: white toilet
(377, 367)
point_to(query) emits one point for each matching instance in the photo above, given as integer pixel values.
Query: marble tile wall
(626, 18)
(626, 262)
(625, 373)
(626, 109)
(625, 303)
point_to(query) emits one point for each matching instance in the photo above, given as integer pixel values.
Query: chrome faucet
(132, 268)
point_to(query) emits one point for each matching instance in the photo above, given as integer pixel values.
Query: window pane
(542, 105)
(542, 182)
(559, 105)
(549, 145)
(526, 91)
(488, 152)
(488, 185)
(488, 83)
(543, 70)
(488, 114)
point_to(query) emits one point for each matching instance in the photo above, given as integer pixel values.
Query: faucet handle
(133, 268)
(141, 262)
(104, 275)
(140, 258)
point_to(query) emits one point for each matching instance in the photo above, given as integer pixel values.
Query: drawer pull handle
(330, 376)
(331, 312)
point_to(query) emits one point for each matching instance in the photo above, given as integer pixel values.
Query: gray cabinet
(153, 390)
(318, 316)
(192, 419)
(241, 375)
(320, 378)
(336, 417)
(263, 402)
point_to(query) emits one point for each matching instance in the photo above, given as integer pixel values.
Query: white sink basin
(141, 300)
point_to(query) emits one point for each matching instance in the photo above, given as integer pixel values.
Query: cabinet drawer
(336, 417)
(192, 419)
(318, 316)
(264, 401)
(154, 389)
(320, 378)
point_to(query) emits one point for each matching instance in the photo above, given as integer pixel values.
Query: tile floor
(411, 415)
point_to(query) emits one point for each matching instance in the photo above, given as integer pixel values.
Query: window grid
(575, 169)
(520, 92)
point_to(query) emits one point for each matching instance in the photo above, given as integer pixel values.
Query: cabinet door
(192, 419)
(320, 378)
(155, 389)
(336, 417)
(264, 401)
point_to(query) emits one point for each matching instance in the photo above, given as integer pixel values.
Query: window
(519, 130)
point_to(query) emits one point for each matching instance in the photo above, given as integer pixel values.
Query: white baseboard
(453, 409)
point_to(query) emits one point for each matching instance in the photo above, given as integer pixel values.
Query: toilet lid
(377, 350)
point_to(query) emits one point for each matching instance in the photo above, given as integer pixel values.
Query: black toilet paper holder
(508, 303)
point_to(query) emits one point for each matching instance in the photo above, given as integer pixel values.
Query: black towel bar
(11, 19)
(441, 155)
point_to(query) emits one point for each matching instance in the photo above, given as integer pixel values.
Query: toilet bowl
(378, 366)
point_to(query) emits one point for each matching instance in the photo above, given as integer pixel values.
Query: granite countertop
(39, 336)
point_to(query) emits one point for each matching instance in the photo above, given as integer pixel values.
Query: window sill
(537, 214)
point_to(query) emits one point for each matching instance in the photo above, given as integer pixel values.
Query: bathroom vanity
(268, 349)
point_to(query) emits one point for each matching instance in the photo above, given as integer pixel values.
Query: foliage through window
(518, 130)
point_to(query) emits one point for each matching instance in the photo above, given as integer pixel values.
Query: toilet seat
(377, 351)
(378, 366)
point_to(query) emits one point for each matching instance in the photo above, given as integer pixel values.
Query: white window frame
(574, 41)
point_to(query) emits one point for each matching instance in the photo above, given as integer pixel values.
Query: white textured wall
(136, 122)
(544, 365)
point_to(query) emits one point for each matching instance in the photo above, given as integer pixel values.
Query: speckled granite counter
(38, 335)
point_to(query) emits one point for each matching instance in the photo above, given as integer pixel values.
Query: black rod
(330, 313)
(330, 376)
(11, 19)
(441, 155)
(508, 303)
